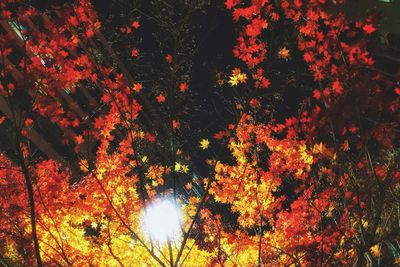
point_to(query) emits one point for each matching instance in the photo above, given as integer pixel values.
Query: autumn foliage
(315, 187)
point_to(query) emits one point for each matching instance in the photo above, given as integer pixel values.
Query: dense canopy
(271, 126)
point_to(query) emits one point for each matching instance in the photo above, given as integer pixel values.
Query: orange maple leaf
(137, 87)
(79, 139)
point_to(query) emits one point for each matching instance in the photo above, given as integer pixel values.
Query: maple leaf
(308, 57)
(353, 129)
(75, 123)
(168, 58)
(185, 169)
(233, 80)
(28, 122)
(242, 78)
(73, 21)
(84, 165)
(93, 77)
(319, 148)
(79, 139)
(369, 28)
(11, 86)
(89, 33)
(64, 122)
(316, 94)
(345, 146)
(219, 135)
(137, 87)
(160, 98)
(204, 144)
(134, 52)
(284, 53)
(6, 14)
(337, 87)
(290, 121)
(183, 87)
(63, 53)
(135, 24)
(298, 3)
(188, 186)
(236, 71)
(98, 123)
(177, 166)
(150, 137)
(265, 83)
(106, 97)
(231, 3)
(176, 124)
(254, 103)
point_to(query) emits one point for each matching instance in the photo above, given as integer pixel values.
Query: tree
(262, 185)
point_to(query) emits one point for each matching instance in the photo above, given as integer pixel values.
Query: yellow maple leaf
(204, 143)
(318, 148)
(185, 168)
(376, 250)
(233, 80)
(178, 166)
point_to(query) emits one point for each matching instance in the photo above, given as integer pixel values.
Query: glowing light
(161, 221)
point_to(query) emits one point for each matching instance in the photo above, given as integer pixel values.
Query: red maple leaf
(369, 28)
(176, 124)
(308, 57)
(28, 122)
(168, 58)
(231, 3)
(316, 94)
(219, 135)
(150, 137)
(254, 103)
(75, 123)
(337, 87)
(89, 33)
(183, 87)
(135, 24)
(98, 123)
(134, 52)
(73, 21)
(64, 123)
(160, 98)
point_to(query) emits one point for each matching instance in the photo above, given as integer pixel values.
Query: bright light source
(161, 221)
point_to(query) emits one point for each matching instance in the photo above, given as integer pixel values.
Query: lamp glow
(161, 221)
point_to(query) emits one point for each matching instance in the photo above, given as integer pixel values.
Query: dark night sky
(214, 34)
